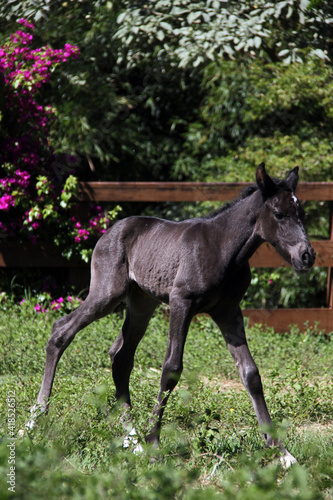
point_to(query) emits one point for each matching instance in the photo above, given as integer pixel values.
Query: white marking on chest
(294, 198)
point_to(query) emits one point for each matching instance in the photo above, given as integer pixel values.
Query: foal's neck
(243, 217)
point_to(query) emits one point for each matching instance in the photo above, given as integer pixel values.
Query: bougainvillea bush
(37, 187)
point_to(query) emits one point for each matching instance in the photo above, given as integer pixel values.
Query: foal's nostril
(305, 257)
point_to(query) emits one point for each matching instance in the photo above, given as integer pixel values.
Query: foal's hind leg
(234, 334)
(63, 333)
(140, 308)
(107, 288)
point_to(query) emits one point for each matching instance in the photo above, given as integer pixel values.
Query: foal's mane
(280, 185)
(246, 192)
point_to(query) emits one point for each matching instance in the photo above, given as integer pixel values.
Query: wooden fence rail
(46, 255)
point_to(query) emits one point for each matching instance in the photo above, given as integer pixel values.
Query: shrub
(38, 187)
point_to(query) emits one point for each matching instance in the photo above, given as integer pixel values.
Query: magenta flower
(39, 309)
(6, 202)
(83, 233)
(55, 306)
(31, 186)
(26, 23)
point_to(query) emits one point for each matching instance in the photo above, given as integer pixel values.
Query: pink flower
(55, 306)
(83, 233)
(26, 23)
(39, 309)
(6, 202)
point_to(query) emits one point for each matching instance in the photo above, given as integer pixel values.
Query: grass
(211, 446)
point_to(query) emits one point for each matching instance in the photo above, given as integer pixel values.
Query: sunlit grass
(210, 444)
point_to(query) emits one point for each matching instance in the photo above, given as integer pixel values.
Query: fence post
(329, 289)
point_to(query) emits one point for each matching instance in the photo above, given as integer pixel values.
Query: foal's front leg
(234, 334)
(180, 319)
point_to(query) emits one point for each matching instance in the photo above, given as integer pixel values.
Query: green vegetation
(211, 445)
(161, 90)
(175, 90)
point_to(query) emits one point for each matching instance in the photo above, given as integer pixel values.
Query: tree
(127, 109)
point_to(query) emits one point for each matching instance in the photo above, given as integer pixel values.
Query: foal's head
(281, 219)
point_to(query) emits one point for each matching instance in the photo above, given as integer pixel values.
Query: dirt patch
(223, 384)
(316, 428)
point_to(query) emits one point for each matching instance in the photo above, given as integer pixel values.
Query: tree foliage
(254, 110)
(168, 90)
(190, 33)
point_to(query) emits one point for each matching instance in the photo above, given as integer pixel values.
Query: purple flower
(6, 202)
(39, 309)
(26, 23)
(24, 71)
(55, 304)
(83, 233)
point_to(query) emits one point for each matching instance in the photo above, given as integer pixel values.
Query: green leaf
(160, 35)
(257, 41)
(121, 17)
(321, 54)
(193, 16)
(166, 26)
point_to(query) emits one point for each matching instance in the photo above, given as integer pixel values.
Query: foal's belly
(155, 276)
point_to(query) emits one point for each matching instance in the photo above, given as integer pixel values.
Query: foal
(195, 266)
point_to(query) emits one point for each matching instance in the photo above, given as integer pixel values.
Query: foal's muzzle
(304, 259)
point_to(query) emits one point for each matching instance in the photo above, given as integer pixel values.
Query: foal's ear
(292, 179)
(264, 182)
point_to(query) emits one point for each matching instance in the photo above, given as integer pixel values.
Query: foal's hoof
(152, 439)
(154, 442)
(35, 411)
(287, 460)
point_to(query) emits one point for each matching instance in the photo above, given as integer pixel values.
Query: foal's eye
(278, 215)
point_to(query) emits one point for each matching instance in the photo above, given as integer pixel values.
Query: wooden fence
(45, 255)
